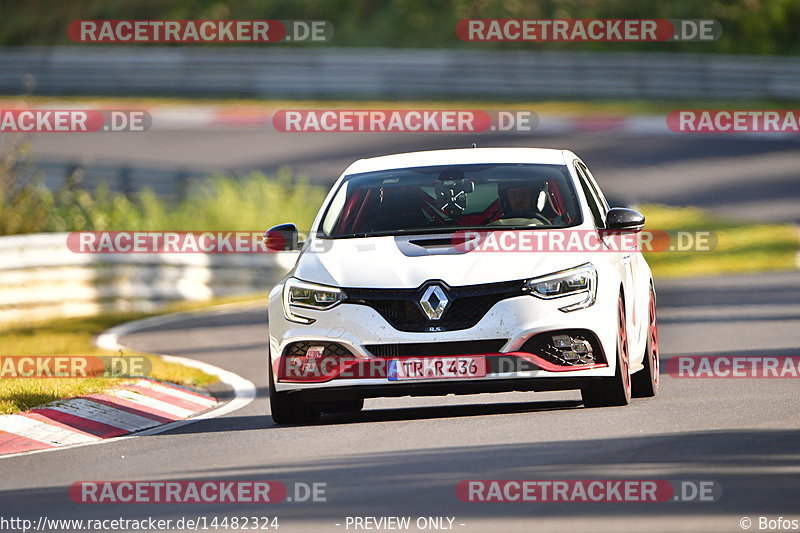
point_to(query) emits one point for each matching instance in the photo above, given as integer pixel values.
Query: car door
(629, 259)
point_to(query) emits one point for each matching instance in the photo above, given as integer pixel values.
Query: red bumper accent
(331, 368)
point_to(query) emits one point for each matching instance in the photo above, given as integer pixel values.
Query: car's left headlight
(578, 280)
(297, 293)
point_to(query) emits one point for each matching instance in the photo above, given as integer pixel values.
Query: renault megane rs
(460, 272)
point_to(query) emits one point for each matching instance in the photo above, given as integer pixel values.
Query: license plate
(437, 368)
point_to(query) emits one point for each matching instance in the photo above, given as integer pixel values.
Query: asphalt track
(404, 457)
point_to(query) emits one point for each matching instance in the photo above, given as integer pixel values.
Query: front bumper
(514, 320)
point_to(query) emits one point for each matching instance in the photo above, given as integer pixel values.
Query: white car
(419, 277)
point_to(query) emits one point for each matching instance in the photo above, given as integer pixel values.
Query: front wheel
(645, 381)
(287, 408)
(616, 390)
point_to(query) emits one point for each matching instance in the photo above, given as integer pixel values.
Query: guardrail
(287, 72)
(41, 278)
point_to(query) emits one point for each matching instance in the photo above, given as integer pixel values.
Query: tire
(645, 381)
(287, 408)
(348, 406)
(616, 390)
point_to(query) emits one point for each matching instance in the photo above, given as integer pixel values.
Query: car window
(596, 188)
(595, 206)
(443, 198)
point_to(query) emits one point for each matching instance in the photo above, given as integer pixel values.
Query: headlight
(578, 280)
(310, 296)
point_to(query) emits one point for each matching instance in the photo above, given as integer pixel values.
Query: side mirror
(622, 219)
(282, 238)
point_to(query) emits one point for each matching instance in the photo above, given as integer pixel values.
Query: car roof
(460, 156)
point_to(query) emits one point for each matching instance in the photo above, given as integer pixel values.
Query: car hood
(396, 262)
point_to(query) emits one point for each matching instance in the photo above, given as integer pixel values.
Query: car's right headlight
(297, 293)
(578, 280)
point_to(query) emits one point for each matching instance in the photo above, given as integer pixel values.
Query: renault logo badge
(433, 302)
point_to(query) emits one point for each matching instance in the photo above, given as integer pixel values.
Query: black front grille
(432, 349)
(467, 304)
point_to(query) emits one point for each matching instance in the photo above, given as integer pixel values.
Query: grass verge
(73, 336)
(741, 247)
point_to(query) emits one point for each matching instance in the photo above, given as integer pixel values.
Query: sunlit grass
(741, 246)
(219, 203)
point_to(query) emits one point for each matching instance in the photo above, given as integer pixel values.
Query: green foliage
(749, 26)
(219, 203)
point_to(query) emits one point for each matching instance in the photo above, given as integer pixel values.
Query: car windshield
(451, 198)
